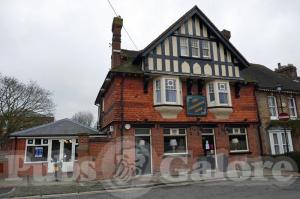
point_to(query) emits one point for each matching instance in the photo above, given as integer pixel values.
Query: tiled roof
(265, 78)
(128, 66)
(64, 127)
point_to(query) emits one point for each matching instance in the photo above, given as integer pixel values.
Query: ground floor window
(238, 140)
(279, 140)
(37, 150)
(175, 141)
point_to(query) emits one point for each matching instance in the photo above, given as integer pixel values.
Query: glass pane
(195, 52)
(272, 111)
(76, 152)
(174, 144)
(142, 131)
(38, 141)
(223, 98)
(67, 151)
(238, 142)
(271, 101)
(171, 95)
(275, 138)
(36, 153)
(158, 96)
(55, 150)
(277, 150)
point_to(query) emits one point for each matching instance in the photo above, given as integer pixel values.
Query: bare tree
(84, 117)
(18, 100)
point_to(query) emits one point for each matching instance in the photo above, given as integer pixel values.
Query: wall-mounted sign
(196, 105)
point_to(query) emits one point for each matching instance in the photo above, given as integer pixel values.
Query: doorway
(209, 148)
(62, 150)
(143, 153)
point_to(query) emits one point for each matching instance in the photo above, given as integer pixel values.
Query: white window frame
(184, 43)
(204, 48)
(292, 107)
(237, 131)
(163, 96)
(195, 46)
(281, 143)
(216, 90)
(273, 117)
(176, 135)
(33, 144)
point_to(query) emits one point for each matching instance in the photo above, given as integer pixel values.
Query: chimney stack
(226, 34)
(116, 41)
(289, 70)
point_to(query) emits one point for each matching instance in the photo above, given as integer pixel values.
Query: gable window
(279, 141)
(238, 140)
(218, 93)
(195, 48)
(36, 150)
(292, 108)
(167, 90)
(184, 47)
(273, 107)
(205, 49)
(175, 141)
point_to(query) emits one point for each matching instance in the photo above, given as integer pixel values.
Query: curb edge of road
(126, 188)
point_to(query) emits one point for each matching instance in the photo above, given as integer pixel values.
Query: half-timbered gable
(193, 46)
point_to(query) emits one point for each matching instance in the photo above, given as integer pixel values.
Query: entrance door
(62, 150)
(55, 154)
(143, 158)
(209, 148)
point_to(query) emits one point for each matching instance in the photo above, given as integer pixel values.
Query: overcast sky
(63, 45)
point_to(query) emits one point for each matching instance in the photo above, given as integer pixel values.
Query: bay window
(292, 108)
(279, 142)
(36, 150)
(218, 93)
(184, 47)
(238, 140)
(167, 90)
(273, 107)
(175, 141)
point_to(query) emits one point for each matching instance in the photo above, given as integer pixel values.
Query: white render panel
(185, 67)
(159, 64)
(174, 45)
(197, 68)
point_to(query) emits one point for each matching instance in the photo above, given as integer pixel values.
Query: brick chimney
(226, 34)
(116, 41)
(289, 70)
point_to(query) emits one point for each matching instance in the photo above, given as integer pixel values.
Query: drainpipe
(259, 125)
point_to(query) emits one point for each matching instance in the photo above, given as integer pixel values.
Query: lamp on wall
(173, 144)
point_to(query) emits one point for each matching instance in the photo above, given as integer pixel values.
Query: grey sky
(63, 45)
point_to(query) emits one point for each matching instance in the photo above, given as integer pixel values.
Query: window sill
(239, 152)
(176, 155)
(39, 162)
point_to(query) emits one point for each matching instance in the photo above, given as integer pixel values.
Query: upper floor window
(195, 48)
(205, 49)
(167, 90)
(218, 93)
(184, 47)
(273, 107)
(292, 108)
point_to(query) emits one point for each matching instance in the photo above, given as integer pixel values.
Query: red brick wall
(138, 106)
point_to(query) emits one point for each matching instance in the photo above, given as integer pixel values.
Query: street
(221, 189)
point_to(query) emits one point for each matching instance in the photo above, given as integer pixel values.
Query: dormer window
(184, 47)
(195, 48)
(205, 49)
(167, 90)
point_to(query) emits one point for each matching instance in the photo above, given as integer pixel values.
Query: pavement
(142, 186)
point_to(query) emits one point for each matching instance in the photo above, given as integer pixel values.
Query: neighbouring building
(181, 98)
(277, 92)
